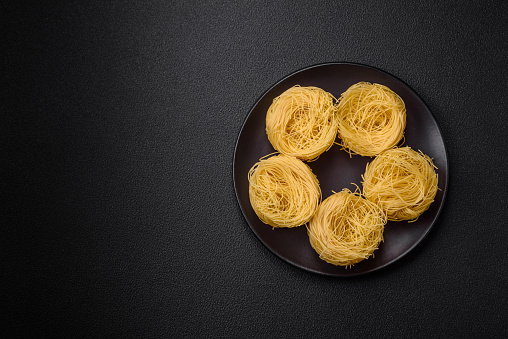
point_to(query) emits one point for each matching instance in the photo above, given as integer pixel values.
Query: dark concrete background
(119, 123)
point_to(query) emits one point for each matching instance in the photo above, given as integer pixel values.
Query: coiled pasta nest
(302, 122)
(346, 228)
(283, 191)
(402, 182)
(372, 119)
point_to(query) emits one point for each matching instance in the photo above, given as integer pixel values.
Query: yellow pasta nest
(283, 191)
(372, 119)
(346, 228)
(402, 182)
(302, 122)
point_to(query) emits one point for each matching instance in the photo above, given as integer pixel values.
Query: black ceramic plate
(336, 170)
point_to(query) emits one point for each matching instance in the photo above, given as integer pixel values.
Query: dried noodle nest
(283, 191)
(346, 228)
(402, 182)
(302, 122)
(372, 119)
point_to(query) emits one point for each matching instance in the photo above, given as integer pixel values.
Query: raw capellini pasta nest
(302, 122)
(283, 191)
(402, 182)
(372, 119)
(346, 228)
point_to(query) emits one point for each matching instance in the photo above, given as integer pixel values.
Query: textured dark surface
(118, 127)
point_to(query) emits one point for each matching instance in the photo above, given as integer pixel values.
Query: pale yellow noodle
(402, 182)
(346, 228)
(372, 118)
(283, 191)
(302, 122)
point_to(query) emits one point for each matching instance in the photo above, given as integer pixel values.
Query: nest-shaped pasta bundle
(346, 228)
(302, 122)
(372, 119)
(402, 182)
(283, 191)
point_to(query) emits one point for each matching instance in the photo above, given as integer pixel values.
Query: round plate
(336, 170)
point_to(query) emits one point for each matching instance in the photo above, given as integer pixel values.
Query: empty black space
(118, 126)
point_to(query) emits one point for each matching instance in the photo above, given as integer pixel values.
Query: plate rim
(307, 269)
